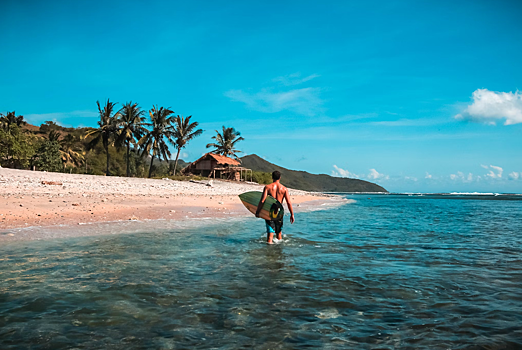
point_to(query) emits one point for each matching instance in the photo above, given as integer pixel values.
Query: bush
(48, 156)
(262, 177)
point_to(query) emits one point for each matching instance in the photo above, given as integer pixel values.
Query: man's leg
(269, 233)
(278, 229)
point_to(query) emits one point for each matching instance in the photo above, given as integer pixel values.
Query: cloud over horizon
(372, 175)
(490, 107)
(495, 172)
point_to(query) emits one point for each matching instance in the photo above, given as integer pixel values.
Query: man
(279, 192)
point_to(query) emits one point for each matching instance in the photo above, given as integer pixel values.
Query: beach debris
(10, 234)
(75, 204)
(21, 205)
(133, 218)
(172, 211)
(52, 183)
(220, 202)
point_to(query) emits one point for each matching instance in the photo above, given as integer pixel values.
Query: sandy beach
(32, 198)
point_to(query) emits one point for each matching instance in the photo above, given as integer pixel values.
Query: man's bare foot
(269, 242)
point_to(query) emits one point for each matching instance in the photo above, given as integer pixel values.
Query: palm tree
(70, 151)
(226, 142)
(183, 133)
(10, 119)
(130, 120)
(106, 131)
(162, 128)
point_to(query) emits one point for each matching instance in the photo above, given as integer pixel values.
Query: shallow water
(408, 272)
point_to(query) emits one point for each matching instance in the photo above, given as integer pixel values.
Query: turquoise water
(383, 272)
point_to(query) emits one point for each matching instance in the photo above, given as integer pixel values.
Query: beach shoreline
(32, 199)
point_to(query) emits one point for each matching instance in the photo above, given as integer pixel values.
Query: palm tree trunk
(176, 163)
(128, 150)
(150, 169)
(107, 172)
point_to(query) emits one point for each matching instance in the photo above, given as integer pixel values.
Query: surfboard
(272, 209)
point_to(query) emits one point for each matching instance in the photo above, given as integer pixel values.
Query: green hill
(302, 180)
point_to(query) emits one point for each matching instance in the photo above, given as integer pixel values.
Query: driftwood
(52, 183)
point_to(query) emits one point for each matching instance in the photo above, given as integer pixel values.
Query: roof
(222, 159)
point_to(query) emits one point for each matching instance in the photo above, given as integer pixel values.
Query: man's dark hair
(276, 175)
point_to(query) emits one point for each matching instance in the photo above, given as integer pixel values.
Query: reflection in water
(390, 272)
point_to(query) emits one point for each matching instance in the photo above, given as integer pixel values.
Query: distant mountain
(301, 180)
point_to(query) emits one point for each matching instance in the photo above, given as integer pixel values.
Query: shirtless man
(279, 192)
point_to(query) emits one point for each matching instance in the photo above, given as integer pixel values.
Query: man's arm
(262, 201)
(289, 205)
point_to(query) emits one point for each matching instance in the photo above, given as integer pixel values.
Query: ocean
(377, 272)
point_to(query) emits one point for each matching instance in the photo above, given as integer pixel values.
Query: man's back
(276, 190)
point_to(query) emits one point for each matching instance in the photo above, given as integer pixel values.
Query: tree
(226, 142)
(54, 135)
(161, 129)
(16, 147)
(48, 157)
(184, 131)
(47, 126)
(106, 131)
(70, 151)
(7, 121)
(130, 119)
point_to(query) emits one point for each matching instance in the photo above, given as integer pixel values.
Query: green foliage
(49, 126)
(10, 120)
(48, 157)
(184, 132)
(153, 142)
(226, 142)
(16, 147)
(261, 177)
(106, 132)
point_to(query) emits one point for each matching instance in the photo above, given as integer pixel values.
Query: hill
(302, 180)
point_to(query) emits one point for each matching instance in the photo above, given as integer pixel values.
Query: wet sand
(31, 198)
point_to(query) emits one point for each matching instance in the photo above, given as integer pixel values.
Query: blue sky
(416, 96)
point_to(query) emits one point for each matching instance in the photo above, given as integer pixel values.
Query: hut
(216, 166)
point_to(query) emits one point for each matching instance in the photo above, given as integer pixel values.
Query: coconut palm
(226, 142)
(10, 119)
(184, 131)
(70, 151)
(161, 129)
(106, 131)
(130, 120)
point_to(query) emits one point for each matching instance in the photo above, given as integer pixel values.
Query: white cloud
(375, 175)
(304, 101)
(294, 79)
(428, 176)
(411, 178)
(490, 107)
(515, 176)
(462, 177)
(338, 172)
(495, 172)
